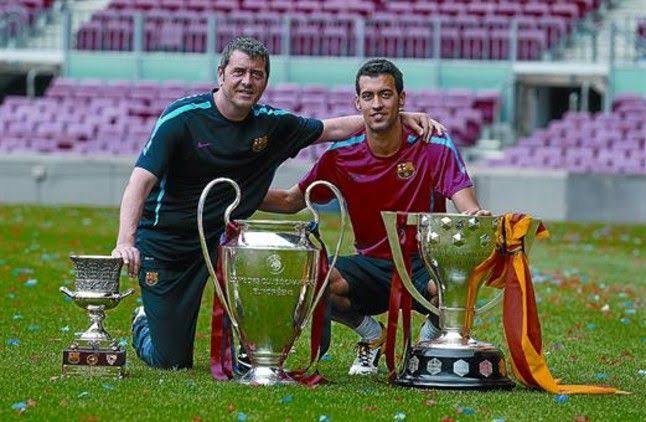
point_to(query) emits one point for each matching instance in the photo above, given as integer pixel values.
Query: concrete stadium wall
(329, 71)
(551, 195)
(629, 79)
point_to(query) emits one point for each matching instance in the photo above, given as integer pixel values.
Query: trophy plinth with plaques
(95, 352)
(269, 282)
(452, 246)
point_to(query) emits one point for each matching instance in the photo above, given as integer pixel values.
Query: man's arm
(343, 127)
(139, 186)
(283, 201)
(466, 202)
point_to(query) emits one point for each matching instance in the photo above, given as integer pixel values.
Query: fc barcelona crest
(260, 144)
(92, 359)
(152, 277)
(405, 170)
(74, 358)
(111, 358)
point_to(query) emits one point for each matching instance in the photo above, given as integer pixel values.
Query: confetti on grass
(400, 416)
(21, 406)
(241, 417)
(561, 398)
(324, 418)
(13, 342)
(83, 394)
(287, 399)
(31, 282)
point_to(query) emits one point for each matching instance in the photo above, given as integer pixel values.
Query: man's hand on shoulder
(130, 256)
(422, 124)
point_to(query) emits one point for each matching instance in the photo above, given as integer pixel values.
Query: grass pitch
(589, 283)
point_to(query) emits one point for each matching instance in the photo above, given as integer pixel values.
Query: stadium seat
(94, 116)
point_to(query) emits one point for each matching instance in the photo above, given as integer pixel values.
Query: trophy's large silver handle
(205, 249)
(492, 303)
(390, 222)
(120, 296)
(67, 292)
(343, 211)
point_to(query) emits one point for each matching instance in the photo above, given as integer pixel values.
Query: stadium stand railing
(469, 29)
(473, 30)
(18, 19)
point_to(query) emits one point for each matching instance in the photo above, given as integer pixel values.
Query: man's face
(243, 80)
(379, 102)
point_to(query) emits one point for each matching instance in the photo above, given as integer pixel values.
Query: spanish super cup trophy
(95, 352)
(269, 271)
(452, 247)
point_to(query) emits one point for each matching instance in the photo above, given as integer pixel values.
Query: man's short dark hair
(376, 67)
(250, 46)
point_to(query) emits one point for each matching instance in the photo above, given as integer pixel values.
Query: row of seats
(470, 30)
(567, 8)
(94, 116)
(467, 43)
(581, 142)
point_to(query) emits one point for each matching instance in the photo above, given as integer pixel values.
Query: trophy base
(431, 365)
(94, 362)
(266, 375)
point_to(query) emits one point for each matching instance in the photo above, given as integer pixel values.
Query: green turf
(589, 285)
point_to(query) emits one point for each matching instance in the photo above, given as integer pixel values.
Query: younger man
(383, 167)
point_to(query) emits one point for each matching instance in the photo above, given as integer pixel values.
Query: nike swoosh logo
(202, 144)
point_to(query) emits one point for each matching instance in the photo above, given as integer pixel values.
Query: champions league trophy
(452, 246)
(270, 271)
(95, 352)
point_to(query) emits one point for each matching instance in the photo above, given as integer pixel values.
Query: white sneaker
(428, 331)
(367, 360)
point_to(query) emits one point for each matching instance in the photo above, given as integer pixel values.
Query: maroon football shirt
(416, 178)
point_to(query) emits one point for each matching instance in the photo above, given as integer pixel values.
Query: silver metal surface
(97, 290)
(270, 271)
(452, 246)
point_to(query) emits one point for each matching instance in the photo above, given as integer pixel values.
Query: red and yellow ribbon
(508, 269)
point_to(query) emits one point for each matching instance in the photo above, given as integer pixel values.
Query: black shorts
(369, 280)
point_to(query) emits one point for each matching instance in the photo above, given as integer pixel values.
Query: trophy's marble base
(94, 362)
(428, 365)
(265, 375)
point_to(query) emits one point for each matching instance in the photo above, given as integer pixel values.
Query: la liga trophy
(452, 247)
(268, 285)
(95, 352)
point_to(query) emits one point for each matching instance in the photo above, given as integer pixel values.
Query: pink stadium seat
(475, 44)
(566, 10)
